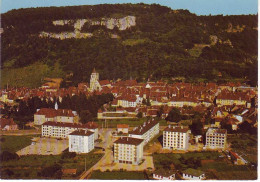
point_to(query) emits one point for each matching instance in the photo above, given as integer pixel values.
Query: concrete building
(81, 141)
(176, 138)
(128, 150)
(92, 126)
(122, 128)
(146, 131)
(60, 130)
(216, 138)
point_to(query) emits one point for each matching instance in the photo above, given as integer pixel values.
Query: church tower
(94, 81)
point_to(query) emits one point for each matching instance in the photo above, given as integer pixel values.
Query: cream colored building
(128, 150)
(60, 130)
(146, 131)
(81, 141)
(176, 138)
(58, 115)
(94, 81)
(216, 138)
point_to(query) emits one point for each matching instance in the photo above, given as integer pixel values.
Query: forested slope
(163, 44)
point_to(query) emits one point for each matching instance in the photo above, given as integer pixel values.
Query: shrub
(66, 155)
(6, 156)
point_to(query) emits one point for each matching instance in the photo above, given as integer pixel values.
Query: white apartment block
(60, 130)
(128, 150)
(216, 138)
(146, 131)
(176, 138)
(81, 141)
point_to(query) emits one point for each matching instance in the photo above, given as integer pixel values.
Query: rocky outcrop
(110, 23)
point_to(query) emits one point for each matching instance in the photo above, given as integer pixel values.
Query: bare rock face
(110, 23)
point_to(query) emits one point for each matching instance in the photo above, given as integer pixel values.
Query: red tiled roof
(129, 141)
(4, 122)
(82, 133)
(92, 125)
(122, 126)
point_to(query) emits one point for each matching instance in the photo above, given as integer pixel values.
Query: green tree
(174, 115)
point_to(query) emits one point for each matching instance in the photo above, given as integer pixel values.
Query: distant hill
(125, 41)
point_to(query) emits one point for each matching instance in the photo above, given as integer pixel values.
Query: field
(28, 166)
(214, 164)
(118, 175)
(15, 143)
(245, 145)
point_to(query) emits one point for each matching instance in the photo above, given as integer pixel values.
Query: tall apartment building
(216, 138)
(146, 131)
(58, 115)
(60, 130)
(176, 138)
(81, 141)
(128, 150)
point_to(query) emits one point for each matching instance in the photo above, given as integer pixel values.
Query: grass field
(210, 161)
(118, 175)
(15, 143)
(28, 166)
(245, 145)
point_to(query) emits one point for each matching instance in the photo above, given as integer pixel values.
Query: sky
(199, 7)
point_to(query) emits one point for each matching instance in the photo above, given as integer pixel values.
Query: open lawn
(205, 161)
(15, 143)
(28, 166)
(118, 175)
(245, 145)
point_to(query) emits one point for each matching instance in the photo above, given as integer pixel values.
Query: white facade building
(81, 141)
(146, 131)
(216, 138)
(60, 130)
(176, 138)
(128, 150)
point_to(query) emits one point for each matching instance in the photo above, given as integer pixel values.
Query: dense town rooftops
(176, 129)
(140, 130)
(50, 113)
(82, 133)
(129, 141)
(193, 172)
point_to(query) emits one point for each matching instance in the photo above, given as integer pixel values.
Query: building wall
(39, 119)
(126, 153)
(175, 140)
(216, 140)
(147, 136)
(81, 144)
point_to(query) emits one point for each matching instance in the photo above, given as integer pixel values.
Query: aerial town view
(129, 90)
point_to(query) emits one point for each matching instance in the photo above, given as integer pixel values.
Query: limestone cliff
(110, 23)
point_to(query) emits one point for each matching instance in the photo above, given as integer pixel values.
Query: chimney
(169, 126)
(126, 138)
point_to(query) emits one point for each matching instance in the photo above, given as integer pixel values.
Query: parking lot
(44, 146)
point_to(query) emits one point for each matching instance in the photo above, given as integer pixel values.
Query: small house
(193, 174)
(163, 174)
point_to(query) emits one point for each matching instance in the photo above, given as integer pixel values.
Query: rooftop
(140, 130)
(193, 172)
(129, 141)
(82, 133)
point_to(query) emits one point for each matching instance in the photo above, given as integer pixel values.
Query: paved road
(106, 136)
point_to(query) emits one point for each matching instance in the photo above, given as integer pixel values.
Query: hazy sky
(200, 7)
